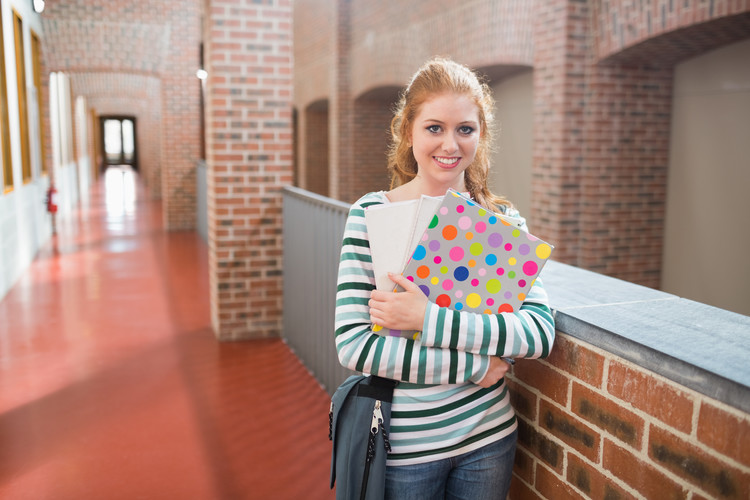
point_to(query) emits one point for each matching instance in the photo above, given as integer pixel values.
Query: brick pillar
(601, 145)
(180, 133)
(341, 133)
(249, 156)
(558, 125)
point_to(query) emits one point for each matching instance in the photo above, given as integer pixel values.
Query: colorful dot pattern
(470, 259)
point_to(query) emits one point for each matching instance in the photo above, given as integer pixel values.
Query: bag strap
(377, 388)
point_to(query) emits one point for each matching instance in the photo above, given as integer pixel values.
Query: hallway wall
(24, 223)
(707, 236)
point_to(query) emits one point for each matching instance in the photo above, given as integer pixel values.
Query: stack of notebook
(461, 255)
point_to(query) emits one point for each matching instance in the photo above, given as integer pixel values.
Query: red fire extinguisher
(52, 200)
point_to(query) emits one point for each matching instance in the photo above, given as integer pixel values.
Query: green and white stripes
(438, 410)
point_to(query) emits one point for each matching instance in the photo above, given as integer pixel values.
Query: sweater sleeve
(526, 333)
(360, 349)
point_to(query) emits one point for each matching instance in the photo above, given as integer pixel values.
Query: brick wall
(602, 102)
(107, 46)
(389, 42)
(249, 157)
(595, 426)
(624, 171)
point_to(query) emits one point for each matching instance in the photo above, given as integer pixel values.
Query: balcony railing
(313, 230)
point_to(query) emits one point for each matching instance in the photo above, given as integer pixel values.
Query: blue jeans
(482, 474)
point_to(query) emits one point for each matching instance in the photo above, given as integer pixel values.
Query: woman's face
(444, 138)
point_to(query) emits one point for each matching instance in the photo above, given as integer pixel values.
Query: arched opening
(373, 111)
(511, 162)
(316, 174)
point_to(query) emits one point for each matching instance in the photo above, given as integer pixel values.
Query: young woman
(453, 430)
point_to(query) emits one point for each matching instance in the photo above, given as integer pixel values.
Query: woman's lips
(447, 161)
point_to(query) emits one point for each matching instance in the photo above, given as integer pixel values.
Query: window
(36, 59)
(23, 120)
(4, 120)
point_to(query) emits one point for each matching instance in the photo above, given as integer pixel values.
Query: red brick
(696, 466)
(608, 415)
(577, 360)
(725, 433)
(553, 487)
(536, 375)
(540, 445)
(639, 474)
(521, 491)
(523, 466)
(660, 399)
(570, 430)
(592, 481)
(522, 400)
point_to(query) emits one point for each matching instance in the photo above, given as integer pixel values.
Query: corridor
(113, 386)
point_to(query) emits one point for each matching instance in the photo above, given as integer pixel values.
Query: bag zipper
(377, 424)
(330, 422)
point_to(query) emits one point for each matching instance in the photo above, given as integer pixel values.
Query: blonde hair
(435, 77)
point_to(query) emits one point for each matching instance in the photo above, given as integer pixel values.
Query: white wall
(510, 170)
(707, 237)
(25, 225)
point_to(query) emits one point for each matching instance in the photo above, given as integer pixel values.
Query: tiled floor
(112, 385)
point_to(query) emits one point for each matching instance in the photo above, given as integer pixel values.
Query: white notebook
(394, 230)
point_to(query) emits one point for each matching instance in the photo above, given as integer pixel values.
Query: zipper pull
(377, 418)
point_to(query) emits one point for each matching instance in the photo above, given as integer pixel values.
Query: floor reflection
(120, 196)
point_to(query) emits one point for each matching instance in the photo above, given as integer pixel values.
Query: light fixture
(38, 6)
(202, 74)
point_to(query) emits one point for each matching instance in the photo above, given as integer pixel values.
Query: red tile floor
(112, 385)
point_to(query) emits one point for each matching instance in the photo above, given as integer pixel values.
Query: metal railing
(313, 230)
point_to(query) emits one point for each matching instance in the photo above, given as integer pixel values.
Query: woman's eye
(434, 129)
(466, 130)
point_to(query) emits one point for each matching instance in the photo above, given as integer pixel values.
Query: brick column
(341, 113)
(601, 145)
(624, 179)
(249, 156)
(180, 133)
(558, 125)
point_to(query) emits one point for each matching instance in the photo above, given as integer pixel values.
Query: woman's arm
(362, 350)
(527, 333)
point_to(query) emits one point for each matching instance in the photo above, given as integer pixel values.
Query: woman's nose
(449, 143)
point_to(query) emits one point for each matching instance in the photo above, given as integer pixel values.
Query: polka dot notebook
(470, 259)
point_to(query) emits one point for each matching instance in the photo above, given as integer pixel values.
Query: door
(118, 138)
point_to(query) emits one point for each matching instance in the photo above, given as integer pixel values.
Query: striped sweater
(438, 410)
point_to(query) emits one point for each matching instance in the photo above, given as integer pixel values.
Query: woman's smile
(447, 162)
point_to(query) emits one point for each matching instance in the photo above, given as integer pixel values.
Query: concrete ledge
(698, 346)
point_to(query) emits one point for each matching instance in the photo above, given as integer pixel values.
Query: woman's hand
(498, 368)
(399, 310)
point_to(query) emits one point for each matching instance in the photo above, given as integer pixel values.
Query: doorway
(118, 141)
